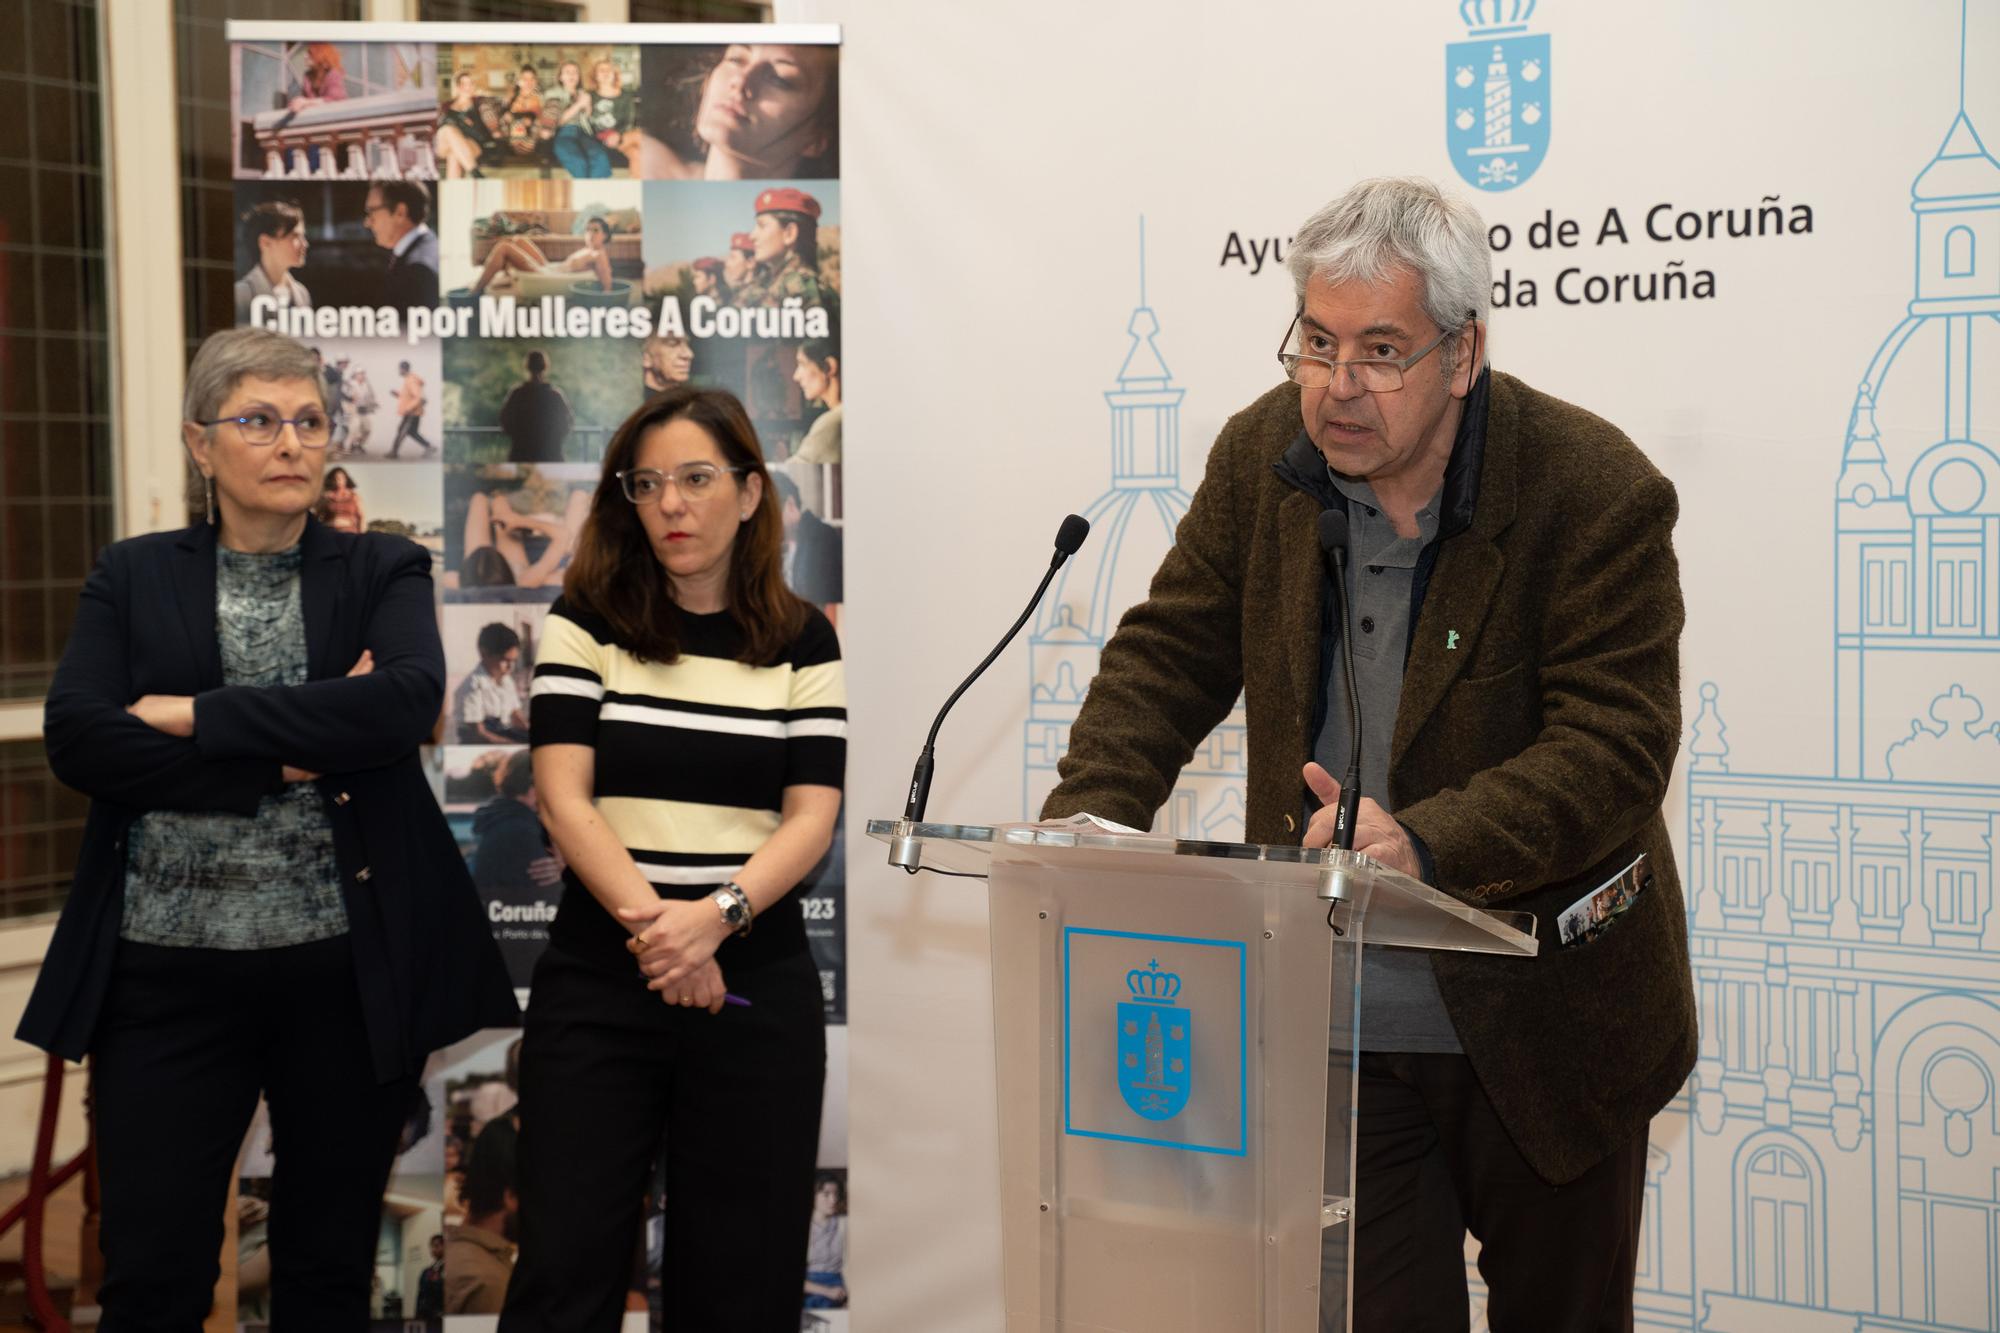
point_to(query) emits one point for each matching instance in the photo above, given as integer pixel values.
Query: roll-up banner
(500, 240)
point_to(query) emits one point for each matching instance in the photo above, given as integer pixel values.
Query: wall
(1837, 807)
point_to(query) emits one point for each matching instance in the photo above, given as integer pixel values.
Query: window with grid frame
(56, 474)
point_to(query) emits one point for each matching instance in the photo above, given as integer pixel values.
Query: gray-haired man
(1516, 611)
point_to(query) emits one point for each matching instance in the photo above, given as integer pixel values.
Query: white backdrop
(1839, 1142)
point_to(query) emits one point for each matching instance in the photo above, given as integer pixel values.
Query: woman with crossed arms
(267, 899)
(689, 731)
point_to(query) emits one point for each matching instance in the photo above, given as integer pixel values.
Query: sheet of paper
(1088, 821)
(1590, 914)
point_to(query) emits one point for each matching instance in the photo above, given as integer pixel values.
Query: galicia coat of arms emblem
(1155, 1045)
(1496, 101)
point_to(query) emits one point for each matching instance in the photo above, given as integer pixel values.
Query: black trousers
(187, 1040)
(1432, 1162)
(612, 1079)
(406, 429)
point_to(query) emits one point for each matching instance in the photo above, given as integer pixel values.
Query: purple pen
(735, 999)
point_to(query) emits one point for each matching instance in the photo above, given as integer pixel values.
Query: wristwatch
(734, 905)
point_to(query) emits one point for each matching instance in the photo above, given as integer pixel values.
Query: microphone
(906, 851)
(1333, 545)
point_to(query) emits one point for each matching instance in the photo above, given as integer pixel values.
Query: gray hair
(1405, 222)
(223, 361)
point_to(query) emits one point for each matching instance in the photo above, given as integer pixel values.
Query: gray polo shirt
(1401, 1009)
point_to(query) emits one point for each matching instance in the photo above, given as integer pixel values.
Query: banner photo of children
(334, 110)
(490, 804)
(510, 110)
(511, 528)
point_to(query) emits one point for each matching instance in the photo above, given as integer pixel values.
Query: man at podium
(1512, 616)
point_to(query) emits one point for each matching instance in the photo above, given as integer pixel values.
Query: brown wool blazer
(1532, 758)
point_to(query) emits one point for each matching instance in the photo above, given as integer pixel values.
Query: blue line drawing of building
(1132, 525)
(1834, 1163)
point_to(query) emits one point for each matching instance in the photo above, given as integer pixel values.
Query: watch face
(732, 911)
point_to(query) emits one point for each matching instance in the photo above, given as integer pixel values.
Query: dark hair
(825, 1178)
(273, 217)
(615, 574)
(806, 247)
(537, 362)
(497, 640)
(403, 366)
(517, 775)
(323, 506)
(673, 96)
(410, 195)
(489, 1173)
(599, 220)
(787, 489)
(485, 568)
(822, 352)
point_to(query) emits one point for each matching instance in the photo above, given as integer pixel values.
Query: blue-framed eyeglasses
(261, 427)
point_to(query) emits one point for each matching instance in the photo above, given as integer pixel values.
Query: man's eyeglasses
(1375, 374)
(643, 485)
(261, 427)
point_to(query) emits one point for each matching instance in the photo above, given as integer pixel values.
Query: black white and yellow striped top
(693, 758)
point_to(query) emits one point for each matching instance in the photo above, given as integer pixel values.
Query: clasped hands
(174, 714)
(1376, 832)
(675, 950)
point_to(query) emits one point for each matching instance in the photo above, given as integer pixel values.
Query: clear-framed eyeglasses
(1375, 374)
(644, 485)
(261, 426)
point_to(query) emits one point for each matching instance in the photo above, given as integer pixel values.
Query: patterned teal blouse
(221, 881)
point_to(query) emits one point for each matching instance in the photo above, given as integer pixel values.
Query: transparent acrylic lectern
(1173, 1028)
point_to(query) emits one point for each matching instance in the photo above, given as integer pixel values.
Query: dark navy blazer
(428, 970)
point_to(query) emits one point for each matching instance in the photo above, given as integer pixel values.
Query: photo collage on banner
(498, 250)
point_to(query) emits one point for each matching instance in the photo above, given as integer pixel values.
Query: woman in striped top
(689, 729)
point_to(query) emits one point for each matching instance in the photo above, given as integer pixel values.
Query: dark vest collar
(316, 542)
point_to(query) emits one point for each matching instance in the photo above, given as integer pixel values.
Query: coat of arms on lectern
(1155, 1044)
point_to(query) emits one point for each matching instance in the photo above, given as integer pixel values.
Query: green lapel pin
(1450, 640)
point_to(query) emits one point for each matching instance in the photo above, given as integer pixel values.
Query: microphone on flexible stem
(906, 851)
(1333, 545)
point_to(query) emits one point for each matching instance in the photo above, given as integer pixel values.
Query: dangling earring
(208, 487)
